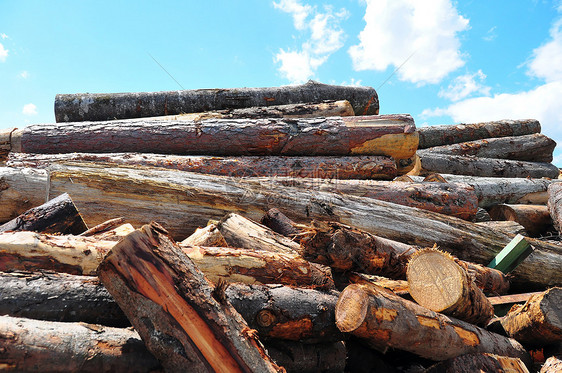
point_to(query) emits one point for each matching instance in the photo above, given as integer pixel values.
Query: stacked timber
(260, 229)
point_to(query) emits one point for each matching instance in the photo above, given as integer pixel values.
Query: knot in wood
(266, 318)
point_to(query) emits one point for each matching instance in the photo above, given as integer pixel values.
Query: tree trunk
(45, 346)
(471, 363)
(555, 205)
(534, 218)
(533, 148)
(437, 282)
(456, 164)
(383, 319)
(451, 134)
(209, 236)
(539, 321)
(20, 190)
(391, 135)
(507, 227)
(308, 358)
(552, 365)
(184, 322)
(5, 143)
(327, 167)
(102, 106)
(59, 215)
(279, 223)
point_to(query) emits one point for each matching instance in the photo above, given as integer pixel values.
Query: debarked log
(103, 106)
(507, 226)
(45, 346)
(552, 365)
(555, 204)
(391, 135)
(20, 190)
(533, 148)
(471, 363)
(534, 218)
(383, 319)
(474, 166)
(208, 236)
(451, 134)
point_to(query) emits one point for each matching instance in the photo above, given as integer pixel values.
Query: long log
(208, 236)
(184, 322)
(102, 106)
(451, 134)
(45, 346)
(471, 363)
(555, 205)
(20, 190)
(58, 215)
(383, 319)
(298, 357)
(508, 227)
(533, 148)
(5, 143)
(456, 164)
(534, 218)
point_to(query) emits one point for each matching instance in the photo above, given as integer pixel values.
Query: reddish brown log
(534, 218)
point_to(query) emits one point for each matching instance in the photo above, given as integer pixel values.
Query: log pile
(270, 230)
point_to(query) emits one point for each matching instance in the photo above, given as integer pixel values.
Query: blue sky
(462, 61)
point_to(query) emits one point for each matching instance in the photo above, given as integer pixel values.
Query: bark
(391, 135)
(471, 363)
(555, 204)
(58, 215)
(102, 106)
(539, 321)
(533, 148)
(534, 218)
(103, 227)
(437, 282)
(451, 134)
(383, 319)
(398, 287)
(327, 167)
(279, 223)
(209, 236)
(308, 358)
(258, 267)
(507, 227)
(58, 297)
(461, 165)
(552, 365)
(175, 309)
(45, 346)
(283, 312)
(20, 190)
(5, 143)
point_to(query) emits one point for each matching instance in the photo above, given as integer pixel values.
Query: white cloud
(3, 36)
(465, 85)
(325, 38)
(397, 28)
(3, 53)
(546, 62)
(29, 109)
(24, 74)
(352, 83)
(491, 34)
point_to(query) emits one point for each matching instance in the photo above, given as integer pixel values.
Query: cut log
(539, 321)
(114, 234)
(103, 227)
(552, 365)
(259, 267)
(175, 310)
(533, 148)
(555, 204)
(279, 223)
(481, 216)
(58, 297)
(398, 287)
(20, 190)
(383, 319)
(59, 215)
(511, 298)
(102, 106)
(283, 312)
(471, 363)
(326, 167)
(534, 218)
(508, 227)
(209, 236)
(45, 346)
(5, 143)
(437, 282)
(308, 358)
(391, 135)
(451, 134)
(474, 166)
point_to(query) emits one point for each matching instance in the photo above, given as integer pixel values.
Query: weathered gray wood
(508, 226)
(452, 134)
(533, 148)
(20, 190)
(103, 106)
(555, 204)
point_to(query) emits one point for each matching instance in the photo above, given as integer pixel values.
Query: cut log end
(351, 308)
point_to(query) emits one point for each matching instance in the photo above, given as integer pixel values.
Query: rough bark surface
(174, 308)
(533, 148)
(308, 358)
(555, 204)
(534, 218)
(383, 319)
(102, 106)
(471, 363)
(45, 346)
(484, 167)
(451, 134)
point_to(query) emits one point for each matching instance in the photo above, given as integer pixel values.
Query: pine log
(533, 148)
(5, 143)
(20, 190)
(103, 106)
(326, 167)
(552, 365)
(308, 358)
(184, 322)
(44, 346)
(104, 227)
(471, 363)
(398, 287)
(279, 223)
(58, 215)
(437, 282)
(383, 319)
(508, 227)
(391, 135)
(209, 236)
(534, 218)
(555, 204)
(114, 234)
(539, 321)
(451, 134)
(461, 165)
